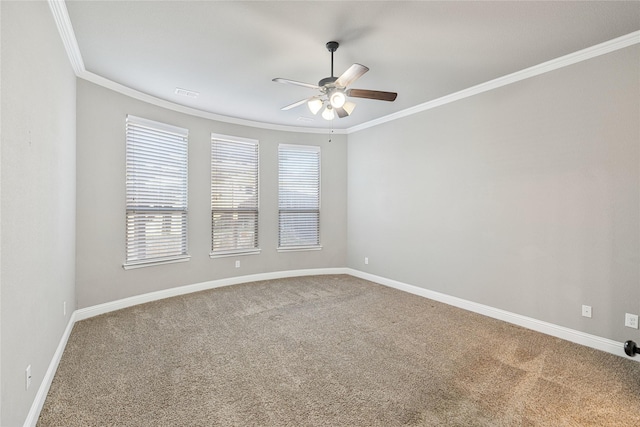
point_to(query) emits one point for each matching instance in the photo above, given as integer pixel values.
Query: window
(298, 197)
(234, 196)
(156, 189)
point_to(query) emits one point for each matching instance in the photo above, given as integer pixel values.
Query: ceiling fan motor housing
(327, 81)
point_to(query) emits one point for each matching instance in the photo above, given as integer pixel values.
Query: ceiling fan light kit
(334, 92)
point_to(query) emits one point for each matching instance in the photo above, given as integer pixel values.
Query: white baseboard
(41, 395)
(572, 335)
(85, 313)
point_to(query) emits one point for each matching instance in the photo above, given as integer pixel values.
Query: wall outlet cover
(631, 320)
(586, 311)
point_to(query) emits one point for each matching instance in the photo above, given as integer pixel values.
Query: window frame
(236, 251)
(158, 133)
(303, 247)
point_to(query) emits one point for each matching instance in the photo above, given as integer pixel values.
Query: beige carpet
(329, 351)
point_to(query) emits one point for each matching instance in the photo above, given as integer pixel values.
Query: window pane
(155, 235)
(156, 191)
(299, 228)
(234, 195)
(299, 196)
(234, 230)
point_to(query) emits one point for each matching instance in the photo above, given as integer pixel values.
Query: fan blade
(295, 83)
(341, 112)
(351, 75)
(295, 104)
(372, 94)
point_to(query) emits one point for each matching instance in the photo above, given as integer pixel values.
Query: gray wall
(524, 198)
(101, 201)
(38, 199)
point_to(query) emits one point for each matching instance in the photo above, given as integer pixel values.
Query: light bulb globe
(337, 99)
(328, 113)
(315, 105)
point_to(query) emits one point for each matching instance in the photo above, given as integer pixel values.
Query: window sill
(300, 248)
(230, 254)
(152, 263)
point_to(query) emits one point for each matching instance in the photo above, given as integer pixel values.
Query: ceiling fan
(334, 92)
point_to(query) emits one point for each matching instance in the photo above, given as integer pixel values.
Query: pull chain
(331, 134)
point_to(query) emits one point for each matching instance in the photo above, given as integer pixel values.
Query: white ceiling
(230, 51)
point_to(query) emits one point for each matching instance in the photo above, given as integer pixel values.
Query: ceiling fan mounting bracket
(332, 46)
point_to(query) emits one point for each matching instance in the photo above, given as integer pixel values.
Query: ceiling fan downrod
(332, 47)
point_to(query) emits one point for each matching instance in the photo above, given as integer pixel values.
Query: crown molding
(68, 36)
(61, 17)
(536, 70)
(141, 96)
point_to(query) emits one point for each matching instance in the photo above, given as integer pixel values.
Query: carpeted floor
(329, 351)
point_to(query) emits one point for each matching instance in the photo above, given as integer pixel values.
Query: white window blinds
(156, 191)
(298, 196)
(234, 195)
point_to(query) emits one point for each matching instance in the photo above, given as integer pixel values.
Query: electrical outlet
(631, 320)
(27, 378)
(64, 309)
(366, 260)
(237, 264)
(586, 311)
